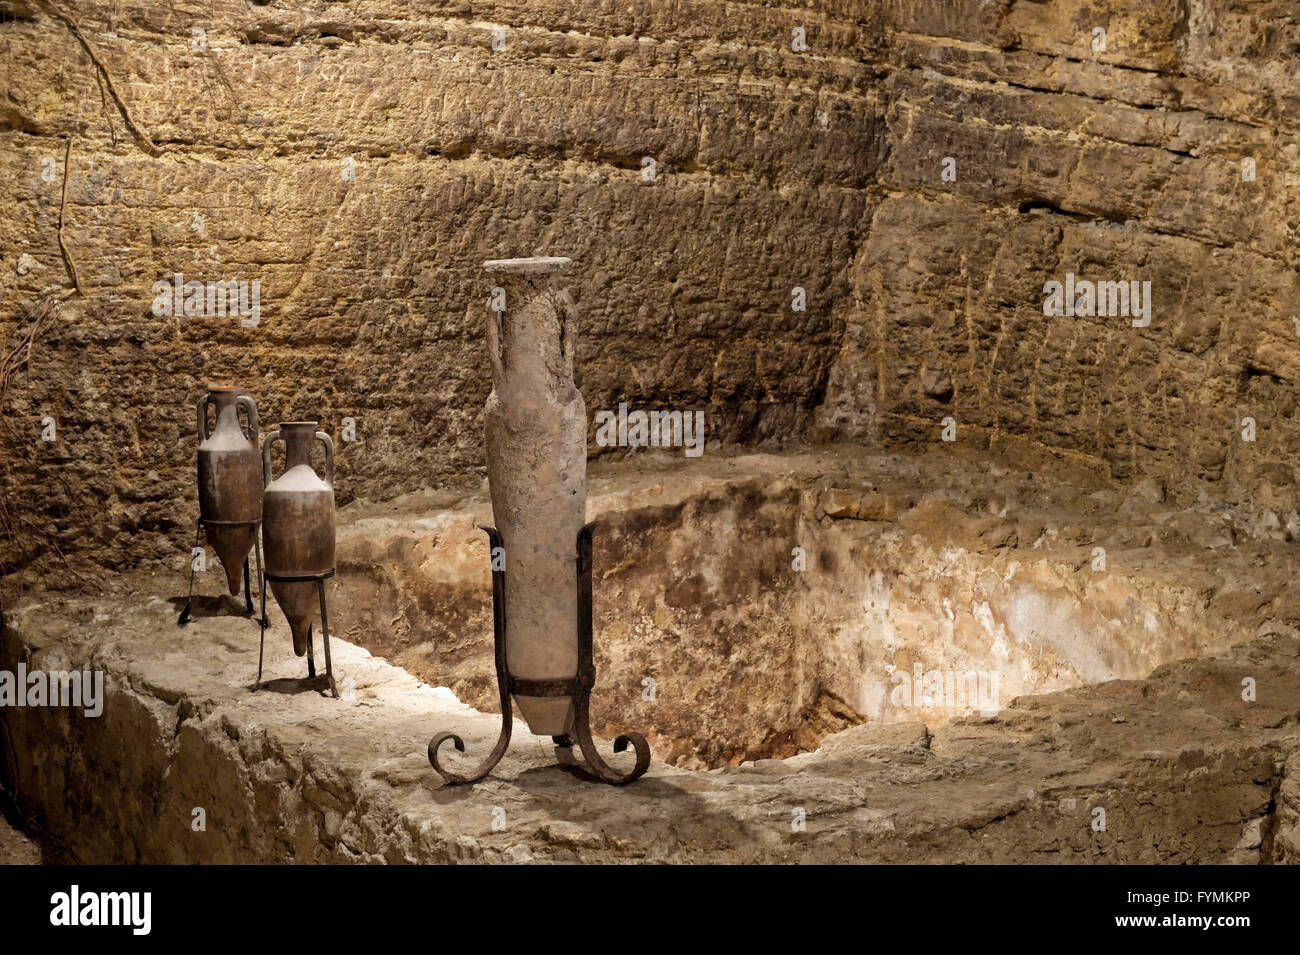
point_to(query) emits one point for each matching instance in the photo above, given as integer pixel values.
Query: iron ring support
(587, 679)
(299, 578)
(503, 679)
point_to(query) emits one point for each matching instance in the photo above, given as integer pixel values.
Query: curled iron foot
(503, 682)
(184, 618)
(606, 772)
(587, 679)
(453, 777)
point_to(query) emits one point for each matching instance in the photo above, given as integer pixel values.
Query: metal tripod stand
(184, 618)
(579, 687)
(324, 629)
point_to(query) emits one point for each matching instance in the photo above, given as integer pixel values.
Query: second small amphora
(230, 480)
(298, 525)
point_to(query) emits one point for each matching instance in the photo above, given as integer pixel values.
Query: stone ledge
(289, 775)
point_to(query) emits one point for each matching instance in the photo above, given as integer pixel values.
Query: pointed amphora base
(232, 545)
(300, 603)
(546, 715)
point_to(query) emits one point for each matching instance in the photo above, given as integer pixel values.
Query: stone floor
(1171, 765)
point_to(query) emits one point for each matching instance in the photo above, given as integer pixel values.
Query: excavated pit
(933, 586)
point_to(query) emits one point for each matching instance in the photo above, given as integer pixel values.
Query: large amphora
(536, 436)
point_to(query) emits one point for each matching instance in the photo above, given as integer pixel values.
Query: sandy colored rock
(1111, 532)
(16, 848)
(361, 161)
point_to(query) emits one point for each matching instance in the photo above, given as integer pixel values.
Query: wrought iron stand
(184, 618)
(579, 688)
(324, 629)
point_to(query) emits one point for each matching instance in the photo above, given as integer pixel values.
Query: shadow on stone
(223, 606)
(292, 687)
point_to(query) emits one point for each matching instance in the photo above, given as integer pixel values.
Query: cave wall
(1122, 164)
(362, 159)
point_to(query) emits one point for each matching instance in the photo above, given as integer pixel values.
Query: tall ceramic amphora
(536, 431)
(230, 478)
(298, 524)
